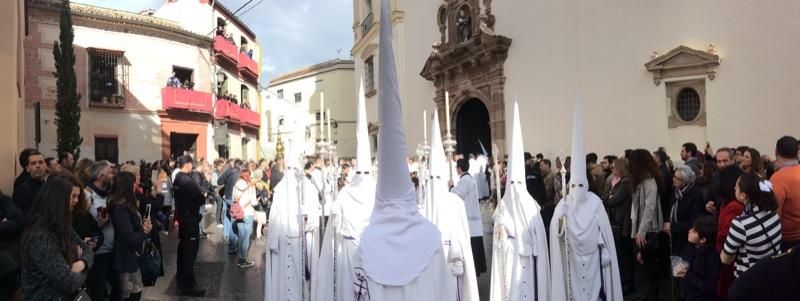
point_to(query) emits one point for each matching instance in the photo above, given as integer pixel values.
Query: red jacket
(727, 213)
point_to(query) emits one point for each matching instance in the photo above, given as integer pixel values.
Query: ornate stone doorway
(468, 63)
(472, 128)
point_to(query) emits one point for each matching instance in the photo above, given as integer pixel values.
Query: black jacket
(771, 279)
(86, 227)
(700, 282)
(534, 182)
(25, 193)
(618, 205)
(188, 199)
(21, 179)
(128, 238)
(14, 222)
(666, 193)
(228, 179)
(690, 207)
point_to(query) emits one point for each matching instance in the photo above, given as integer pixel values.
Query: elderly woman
(687, 207)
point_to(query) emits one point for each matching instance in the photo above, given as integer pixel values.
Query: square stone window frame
(673, 88)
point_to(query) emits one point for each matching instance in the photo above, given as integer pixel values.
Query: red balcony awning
(185, 99)
(225, 49)
(250, 118)
(247, 66)
(227, 110)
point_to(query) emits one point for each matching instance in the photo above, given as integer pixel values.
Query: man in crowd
(52, 166)
(198, 175)
(725, 157)
(67, 160)
(549, 178)
(534, 180)
(596, 174)
(689, 156)
(23, 162)
(467, 190)
(100, 175)
(188, 199)
(740, 153)
(36, 170)
(786, 186)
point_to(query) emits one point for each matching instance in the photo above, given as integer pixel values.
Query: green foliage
(68, 105)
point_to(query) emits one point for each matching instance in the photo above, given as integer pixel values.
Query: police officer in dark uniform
(188, 199)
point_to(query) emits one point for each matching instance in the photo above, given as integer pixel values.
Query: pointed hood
(438, 172)
(399, 243)
(581, 204)
(483, 149)
(362, 134)
(518, 208)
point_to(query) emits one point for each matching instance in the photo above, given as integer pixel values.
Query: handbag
(81, 295)
(150, 263)
(237, 213)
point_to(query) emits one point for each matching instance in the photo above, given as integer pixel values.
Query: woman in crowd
(703, 183)
(130, 230)
(56, 258)
(688, 206)
(262, 195)
(163, 186)
(83, 222)
(82, 170)
(756, 234)
(751, 162)
(647, 219)
(730, 209)
(244, 193)
(618, 205)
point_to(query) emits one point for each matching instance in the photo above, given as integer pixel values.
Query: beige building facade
(300, 92)
(12, 82)
(124, 61)
(649, 74)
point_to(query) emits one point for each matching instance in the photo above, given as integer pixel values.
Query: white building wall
(598, 50)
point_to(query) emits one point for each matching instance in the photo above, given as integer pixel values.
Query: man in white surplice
(520, 263)
(467, 190)
(446, 210)
(292, 216)
(349, 216)
(400, 254)
(583, 256)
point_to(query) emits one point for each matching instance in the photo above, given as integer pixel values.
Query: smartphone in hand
(147, 211)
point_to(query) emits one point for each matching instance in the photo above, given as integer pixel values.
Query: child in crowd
(699, 279)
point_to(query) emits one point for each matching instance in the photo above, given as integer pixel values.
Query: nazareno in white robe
(284, 258)
(447, 212)
(591, 252)
(520, 264)
(349, 216)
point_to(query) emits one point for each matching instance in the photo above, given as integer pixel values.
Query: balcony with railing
(247, 66)
(173, 98)
(367, 24)
(227, 110)
(225, 49)
(250, 118)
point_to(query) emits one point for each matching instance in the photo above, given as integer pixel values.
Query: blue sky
(292, 33)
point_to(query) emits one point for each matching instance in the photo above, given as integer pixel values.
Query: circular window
(688, 104)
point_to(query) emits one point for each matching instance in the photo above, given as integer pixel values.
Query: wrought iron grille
(108, 78)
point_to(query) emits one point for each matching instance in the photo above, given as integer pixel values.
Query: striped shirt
(753, 236)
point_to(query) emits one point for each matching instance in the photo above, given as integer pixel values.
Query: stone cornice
(314, 69)
(123, 18)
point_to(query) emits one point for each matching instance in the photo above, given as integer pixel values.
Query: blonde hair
(621, 164)
(131, 168)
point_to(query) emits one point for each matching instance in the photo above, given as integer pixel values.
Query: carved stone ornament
(471, 69)
(683, 61)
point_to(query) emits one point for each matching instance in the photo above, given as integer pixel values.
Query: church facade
(650, 74)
